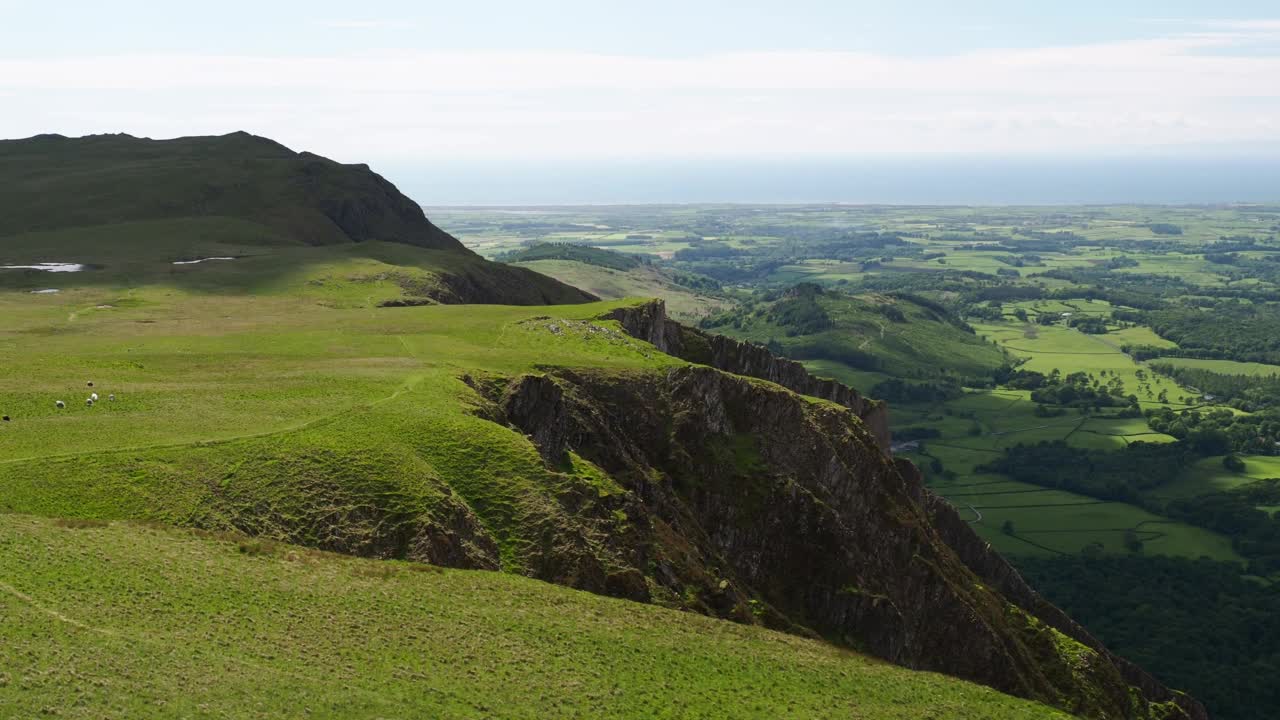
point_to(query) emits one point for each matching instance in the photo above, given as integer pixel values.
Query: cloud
(1261, 25)
(1181, 90)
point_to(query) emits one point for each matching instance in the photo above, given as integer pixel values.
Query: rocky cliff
(746, 500)
(649, 322)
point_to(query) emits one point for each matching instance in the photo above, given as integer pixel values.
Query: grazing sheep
(94, 397)
(59, 404)
(111, 397)
(90, 383)
(6, 418)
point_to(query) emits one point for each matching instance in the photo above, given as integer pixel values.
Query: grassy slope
(353, 404)
(333, 425)
(127, 621)
(136, 256)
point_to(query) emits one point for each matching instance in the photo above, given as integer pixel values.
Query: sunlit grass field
(1209, 476)
(1224, 367)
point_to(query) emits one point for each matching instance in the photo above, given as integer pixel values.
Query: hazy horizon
(870, 181)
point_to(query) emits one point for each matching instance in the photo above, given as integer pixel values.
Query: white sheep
(88, 401)
(60, 405)
(111, 397)
(93, 397)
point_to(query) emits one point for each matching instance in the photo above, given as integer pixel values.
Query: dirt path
(30, 601)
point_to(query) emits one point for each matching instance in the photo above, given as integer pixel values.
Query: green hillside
(886, 334)
(329, 396)
(95, 612)
(384, 433)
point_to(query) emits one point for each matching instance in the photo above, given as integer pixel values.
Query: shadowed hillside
(132, 208)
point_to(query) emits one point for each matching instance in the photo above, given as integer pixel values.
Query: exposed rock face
(749, 502)
(453, 538)
(649, 322)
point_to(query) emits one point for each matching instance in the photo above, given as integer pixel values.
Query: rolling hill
(853, 337)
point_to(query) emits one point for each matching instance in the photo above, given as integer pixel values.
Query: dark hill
(131, 206)
(52, 182)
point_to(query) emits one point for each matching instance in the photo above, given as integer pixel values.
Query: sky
(601, 94)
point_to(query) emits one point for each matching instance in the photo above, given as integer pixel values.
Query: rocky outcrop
(649, 322)
(747, 501)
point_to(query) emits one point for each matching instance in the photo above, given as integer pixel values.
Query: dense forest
(1227, 329)
(1121, 476)
(1196, 624)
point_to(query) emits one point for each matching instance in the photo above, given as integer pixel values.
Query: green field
(976, 427)
(1048, 521)
(1208, 475)
(1139, 335)
(1055, 347)
(1224, 367)
(130, 621)
(1051, 522)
